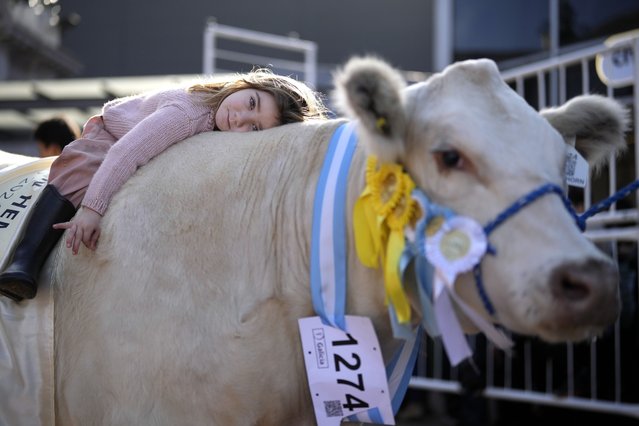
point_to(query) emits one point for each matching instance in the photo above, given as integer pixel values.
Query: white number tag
(576, 168)
(346, 373)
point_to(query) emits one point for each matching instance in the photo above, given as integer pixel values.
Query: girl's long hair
(295, 100)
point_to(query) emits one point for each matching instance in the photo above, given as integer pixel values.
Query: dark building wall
(507, 29)
(123, 37)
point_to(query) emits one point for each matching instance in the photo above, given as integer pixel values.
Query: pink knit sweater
(143, 126)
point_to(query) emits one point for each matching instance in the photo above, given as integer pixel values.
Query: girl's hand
(84, 227)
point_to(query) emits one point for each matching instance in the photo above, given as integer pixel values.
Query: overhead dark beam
(42, 102)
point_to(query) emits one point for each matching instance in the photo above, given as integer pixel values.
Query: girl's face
(247, 110)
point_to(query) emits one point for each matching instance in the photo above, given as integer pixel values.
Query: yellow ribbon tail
(393, 284)
(367, 242)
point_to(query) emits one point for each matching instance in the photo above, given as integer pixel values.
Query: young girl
(130, 132)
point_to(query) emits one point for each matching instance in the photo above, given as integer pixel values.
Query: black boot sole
(17, 286)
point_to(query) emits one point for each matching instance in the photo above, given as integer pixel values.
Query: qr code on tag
(333, 408)
(571, 163)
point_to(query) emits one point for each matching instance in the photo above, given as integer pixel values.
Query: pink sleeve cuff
(97, 206)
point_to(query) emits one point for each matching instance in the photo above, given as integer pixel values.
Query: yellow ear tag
(381, 123)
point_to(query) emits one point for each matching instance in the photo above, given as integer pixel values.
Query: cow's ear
(371, 91)
(594, 124)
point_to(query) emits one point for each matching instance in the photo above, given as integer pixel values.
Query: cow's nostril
(573, 290)
(571, 286)
(584, 286)
(584, 294)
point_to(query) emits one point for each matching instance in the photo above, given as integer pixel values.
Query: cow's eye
(449, 159)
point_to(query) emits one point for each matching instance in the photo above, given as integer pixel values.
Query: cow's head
(472, 144)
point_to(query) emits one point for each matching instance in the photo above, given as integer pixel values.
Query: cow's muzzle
(585, 294)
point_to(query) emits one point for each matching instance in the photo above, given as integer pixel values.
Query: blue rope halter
(527, 199)
(604, 204)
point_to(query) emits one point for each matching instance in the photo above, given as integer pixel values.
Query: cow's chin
(552, 330)
(556, 329)
(575, 335)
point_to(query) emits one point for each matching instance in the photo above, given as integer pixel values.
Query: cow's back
(203, 254)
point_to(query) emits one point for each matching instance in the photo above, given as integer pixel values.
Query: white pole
(442, 34)
(310, 65)
(553, 38)
(209, 49)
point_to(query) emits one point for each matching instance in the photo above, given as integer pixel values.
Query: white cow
(187, 312)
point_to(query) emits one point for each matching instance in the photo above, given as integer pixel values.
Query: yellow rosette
(380, 215)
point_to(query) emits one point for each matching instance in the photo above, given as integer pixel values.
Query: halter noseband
(580, 221)
(507, 213)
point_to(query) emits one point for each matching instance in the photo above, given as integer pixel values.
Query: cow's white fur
(187, 312)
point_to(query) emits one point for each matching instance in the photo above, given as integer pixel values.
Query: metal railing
(277, 45)
(597, 376)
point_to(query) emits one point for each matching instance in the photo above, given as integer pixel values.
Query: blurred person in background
(54, 134)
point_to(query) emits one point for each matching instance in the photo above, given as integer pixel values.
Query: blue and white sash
(329, 268)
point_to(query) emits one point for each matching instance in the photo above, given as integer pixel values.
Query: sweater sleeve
(150, 137)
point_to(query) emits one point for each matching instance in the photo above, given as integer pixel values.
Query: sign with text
(20, 188)
(616, 67)
(345, 370)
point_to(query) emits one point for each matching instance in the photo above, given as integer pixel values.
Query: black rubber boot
(18, 280)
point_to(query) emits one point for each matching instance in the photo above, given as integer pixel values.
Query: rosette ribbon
(380, 215)
(455, 248)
